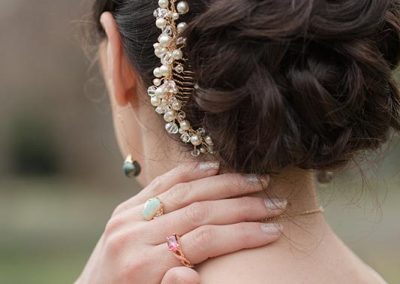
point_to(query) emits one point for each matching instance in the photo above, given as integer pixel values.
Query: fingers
(216, 212)
(181, 275)
(211, 188)
(212, 240)
(184, 173)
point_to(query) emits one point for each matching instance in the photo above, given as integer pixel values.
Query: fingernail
(271, 228)
(206, 166)
(275, 203)
(260, 180)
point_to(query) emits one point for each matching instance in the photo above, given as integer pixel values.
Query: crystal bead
(185, 137)
(181, 41)
(161, 109)
(195, 152)
(160, 92)
(167, 59)
(167, 30)
(203, 150)
(151, 91)
(208, 140)
(160, 13)
(181, 115)
(172, 128)
(179, 68)
(201, 131)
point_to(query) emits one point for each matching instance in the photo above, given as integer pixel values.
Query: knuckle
(121, 207)
(204, 235)
(176, 195)
(112, 226)
(196, 213)
(115, 243)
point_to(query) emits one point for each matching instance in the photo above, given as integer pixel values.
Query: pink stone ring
(175, 246)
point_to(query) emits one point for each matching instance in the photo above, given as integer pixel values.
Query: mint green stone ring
(152, 208)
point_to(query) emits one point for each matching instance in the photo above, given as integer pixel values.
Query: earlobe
(121, 80)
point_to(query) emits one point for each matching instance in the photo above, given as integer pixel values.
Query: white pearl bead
(195, 140)
(161, 23)
(164, 40)
(182, 7)
(157, 82)
(184, 125)
(177, 54)
(159, 52)
(175, 16)
(181, 27)
(163, 3)
(176, 105)
(164, 70)
(157, 73)
(159, 91)
(155, 101)
(169, 116)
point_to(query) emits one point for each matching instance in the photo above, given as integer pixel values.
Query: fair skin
(309, 251)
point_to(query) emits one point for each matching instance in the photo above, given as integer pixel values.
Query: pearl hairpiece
(173, 83)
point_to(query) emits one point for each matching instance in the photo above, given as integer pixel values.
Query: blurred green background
(60, 167)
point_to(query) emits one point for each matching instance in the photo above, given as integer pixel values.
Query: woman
(272, 88)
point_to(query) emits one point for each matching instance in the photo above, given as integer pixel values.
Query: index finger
(183, 173)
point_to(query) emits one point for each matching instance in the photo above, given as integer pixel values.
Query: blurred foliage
(33, 147)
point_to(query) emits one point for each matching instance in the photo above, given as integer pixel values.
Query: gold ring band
(173, 243)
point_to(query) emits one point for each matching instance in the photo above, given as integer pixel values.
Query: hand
(198, 206)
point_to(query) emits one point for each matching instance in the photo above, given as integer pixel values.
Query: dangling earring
(131, 168)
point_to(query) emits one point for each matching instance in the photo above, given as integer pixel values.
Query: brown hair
(281, 82)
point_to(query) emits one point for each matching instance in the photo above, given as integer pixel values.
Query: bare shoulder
(328, 262)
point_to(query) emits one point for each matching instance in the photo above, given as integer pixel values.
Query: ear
(121, 79)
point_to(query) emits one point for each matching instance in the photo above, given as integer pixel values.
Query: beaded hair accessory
(174, 82)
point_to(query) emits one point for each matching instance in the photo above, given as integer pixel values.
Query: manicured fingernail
(260, 180)
(206, 166)
(271, 228)
(275, 203)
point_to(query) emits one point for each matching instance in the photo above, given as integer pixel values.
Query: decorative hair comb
(174, 82)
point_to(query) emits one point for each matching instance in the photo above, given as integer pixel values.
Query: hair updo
(281, 82)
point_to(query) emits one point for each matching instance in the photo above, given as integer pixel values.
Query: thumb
(181, 275)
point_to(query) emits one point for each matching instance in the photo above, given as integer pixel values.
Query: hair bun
(304, 83)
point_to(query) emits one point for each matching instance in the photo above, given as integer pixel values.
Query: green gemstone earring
(131, 168)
